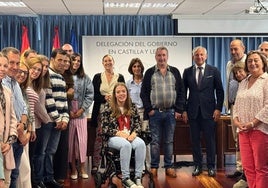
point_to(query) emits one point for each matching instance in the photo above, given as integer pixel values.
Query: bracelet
(252, 124)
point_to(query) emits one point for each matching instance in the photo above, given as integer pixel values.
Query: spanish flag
(25, 44)
(56, 40)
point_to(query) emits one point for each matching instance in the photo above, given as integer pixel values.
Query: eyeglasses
(22, 71)
(36, 69)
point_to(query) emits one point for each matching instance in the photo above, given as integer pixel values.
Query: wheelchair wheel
(98, 179)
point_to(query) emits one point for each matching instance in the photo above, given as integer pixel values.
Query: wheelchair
(112, 168)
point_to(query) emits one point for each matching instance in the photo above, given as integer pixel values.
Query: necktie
(200, 75)
(2, 99)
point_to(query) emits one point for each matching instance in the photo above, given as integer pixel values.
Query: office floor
(184, 177)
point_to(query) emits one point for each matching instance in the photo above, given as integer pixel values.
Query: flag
(25, 44)
(56, 40)
(73, 41)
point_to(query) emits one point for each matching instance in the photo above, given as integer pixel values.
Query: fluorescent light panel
(12, 4)
(137, 5)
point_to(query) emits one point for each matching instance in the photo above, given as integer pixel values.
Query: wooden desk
(182, 143)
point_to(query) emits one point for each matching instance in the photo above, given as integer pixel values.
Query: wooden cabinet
(182, 143)
(224, 140)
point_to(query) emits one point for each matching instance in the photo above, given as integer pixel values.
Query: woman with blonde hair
(121, 122)
(103, 87)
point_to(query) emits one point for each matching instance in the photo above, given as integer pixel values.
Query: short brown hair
(132, 62)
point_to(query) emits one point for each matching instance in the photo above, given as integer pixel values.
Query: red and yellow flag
(25, 44)
(56, 40)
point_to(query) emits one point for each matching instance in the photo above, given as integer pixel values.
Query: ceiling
(196, 8)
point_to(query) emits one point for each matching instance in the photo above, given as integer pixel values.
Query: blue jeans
(162, 124)
(18, 150)
(47, 144)
(125, 147)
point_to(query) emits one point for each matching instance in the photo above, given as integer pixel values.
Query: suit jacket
(11, 127)
(209, 97)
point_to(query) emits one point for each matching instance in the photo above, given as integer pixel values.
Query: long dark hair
(80, 71)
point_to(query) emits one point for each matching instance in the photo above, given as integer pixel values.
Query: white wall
(124, 48)
(221, 24)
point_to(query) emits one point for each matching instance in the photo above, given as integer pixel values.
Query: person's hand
(132, 136)
(2, 183)
(107, 97)
(184, 117)
(216, 115)
(20, 128)
(238, 124)
(72, 115)
(178, 116)
(79, 113)
(151, 113)
(122, 134)
(58, 125)
(70, 91)
(5, 148)
(33, 136)
(246, 126)
(25, 138)
(64, 125)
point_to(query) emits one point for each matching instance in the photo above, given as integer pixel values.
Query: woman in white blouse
(251, 117)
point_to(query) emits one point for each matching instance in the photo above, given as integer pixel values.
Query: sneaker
(138, 182)
(240, 184)
(128, 183)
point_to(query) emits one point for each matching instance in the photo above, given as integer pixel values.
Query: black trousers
(207, 127)
(61, 157)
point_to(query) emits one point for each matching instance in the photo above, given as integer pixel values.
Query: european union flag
(73, 41)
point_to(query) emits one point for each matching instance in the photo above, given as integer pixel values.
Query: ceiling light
(12, 4)
(121, 5)
(159, 5)
(137, 5)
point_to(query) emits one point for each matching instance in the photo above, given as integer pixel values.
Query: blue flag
(73, 41)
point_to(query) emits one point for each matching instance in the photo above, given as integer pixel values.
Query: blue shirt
(134, 91)
(18, 102)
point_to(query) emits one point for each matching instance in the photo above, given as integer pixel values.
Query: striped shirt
(32, 100)
(163, 94)
(56, 98)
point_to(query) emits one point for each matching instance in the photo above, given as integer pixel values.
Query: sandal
(94, 170)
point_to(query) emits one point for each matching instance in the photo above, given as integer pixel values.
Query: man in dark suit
(203, 107)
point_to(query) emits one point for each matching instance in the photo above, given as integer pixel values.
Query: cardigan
(99, 98)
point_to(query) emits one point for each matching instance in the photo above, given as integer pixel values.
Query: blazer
(8, 129)
(110, 124)
(209, 97)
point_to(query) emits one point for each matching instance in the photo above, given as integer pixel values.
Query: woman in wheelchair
(121, 122)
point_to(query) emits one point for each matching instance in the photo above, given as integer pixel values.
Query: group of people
(44, 105)
(45, 102)
(246, 100)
